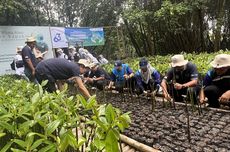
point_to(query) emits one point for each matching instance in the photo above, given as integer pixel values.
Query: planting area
(166, 128)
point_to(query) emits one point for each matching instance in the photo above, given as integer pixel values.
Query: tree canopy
(133, 27)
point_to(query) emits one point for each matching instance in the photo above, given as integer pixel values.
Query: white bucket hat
(84, 62)
(178, 60)
(30, 39)
(19, 49)
(220, 61)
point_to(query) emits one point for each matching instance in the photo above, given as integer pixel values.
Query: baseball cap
(143, 63)
(118, 63)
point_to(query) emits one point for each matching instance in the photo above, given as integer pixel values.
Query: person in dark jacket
(181, 79)
(147, 77)
(29, 59)
(61, 69)
(217, 82)
(97, 76)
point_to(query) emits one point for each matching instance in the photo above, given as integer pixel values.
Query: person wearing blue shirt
(121, 76)
(147, 77)
(217, 82)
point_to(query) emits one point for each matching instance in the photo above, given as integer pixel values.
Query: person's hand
(145, 93)
(225, 97)
(33, 72)
(203, 100)
(90, 80)
(167, 97)
(126, 76)
(178, 86)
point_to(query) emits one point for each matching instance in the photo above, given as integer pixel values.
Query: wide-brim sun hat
(178, 60)
(19, 49)
(220, 61)
(84, 62)
(92, 65)
(59, 50)
(30, 39)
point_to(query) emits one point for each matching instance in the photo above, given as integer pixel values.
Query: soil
(165, 128)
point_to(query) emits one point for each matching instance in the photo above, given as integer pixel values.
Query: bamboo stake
(137, 145)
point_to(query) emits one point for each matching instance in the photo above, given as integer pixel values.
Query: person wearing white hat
(19, 66)
(61, 54)
(72, 53)
(61, 69)
(97, 77)
(29, 58)
(181, 78)
(217, 82)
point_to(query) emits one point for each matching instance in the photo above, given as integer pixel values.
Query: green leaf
(35, 98)
(52, 126)
(100, 144)
(44, 83)
(36, 144)
(6, 147)
(2, 134)
(110, 113)
(111, 142)
(7, 126)
(20, 143)
(81, 141)
(91, 102)
(49, 148)
(82, 100)
(68, 139)
(16, 150)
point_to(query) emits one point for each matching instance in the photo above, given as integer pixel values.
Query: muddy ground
(165, 128)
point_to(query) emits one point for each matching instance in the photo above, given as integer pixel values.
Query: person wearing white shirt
(19, 66)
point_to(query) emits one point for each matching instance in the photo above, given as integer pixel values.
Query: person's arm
(167, 78)
(164, 89)
(30, 64)
(139, 81)
(129, 72)
(113, 79)
(157, 77)
(82, 87)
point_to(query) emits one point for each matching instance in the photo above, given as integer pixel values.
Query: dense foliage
(162, 63)
(34, 120)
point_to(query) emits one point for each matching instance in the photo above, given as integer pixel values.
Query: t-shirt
(59, 69)
(118, 76)
(190, 73)
(99, 73)
(222, 81)
(27, 53)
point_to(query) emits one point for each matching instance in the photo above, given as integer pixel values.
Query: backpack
(12, 65)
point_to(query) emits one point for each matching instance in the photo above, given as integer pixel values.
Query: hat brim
(179, 64)
(217, 66)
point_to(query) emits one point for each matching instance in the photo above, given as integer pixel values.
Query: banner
(13, 36)
(58, 37)
(64, 37)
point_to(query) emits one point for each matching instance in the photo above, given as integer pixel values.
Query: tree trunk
(217, 31)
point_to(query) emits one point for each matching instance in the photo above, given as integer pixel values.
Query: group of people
(181, 79)
(72, 54)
